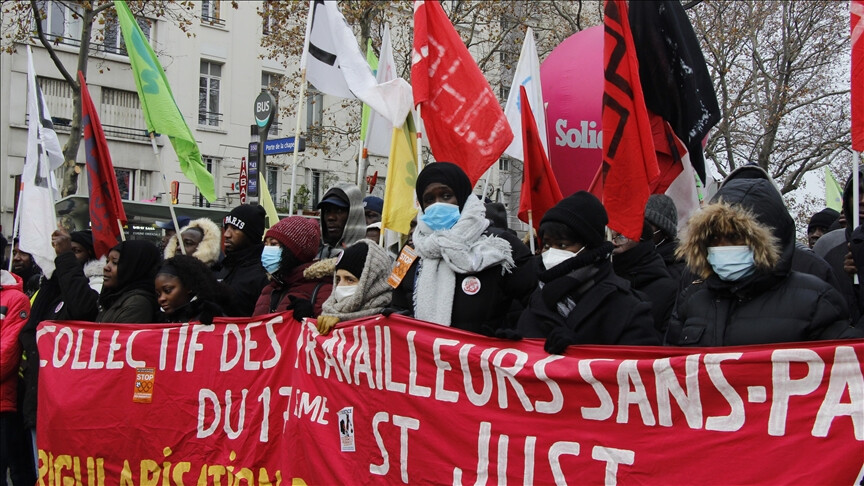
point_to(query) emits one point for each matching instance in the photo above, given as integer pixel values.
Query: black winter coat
(646, 272)
(65, 296)
(600, 307)
(492, 307)
(674, 265)
(241, 270)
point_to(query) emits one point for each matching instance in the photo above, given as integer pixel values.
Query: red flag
(463, 119)
(856, 9)
(628, 147)
(106, 207)
(539, 188)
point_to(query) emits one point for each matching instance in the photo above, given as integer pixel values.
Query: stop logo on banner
(572, 78)
(244, 181)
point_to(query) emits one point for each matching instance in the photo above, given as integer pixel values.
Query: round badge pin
(471, 285)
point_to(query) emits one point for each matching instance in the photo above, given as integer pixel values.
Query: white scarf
(462, 249)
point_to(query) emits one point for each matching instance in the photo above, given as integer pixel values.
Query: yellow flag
(399, 207)
(267, 202)
(833, 191)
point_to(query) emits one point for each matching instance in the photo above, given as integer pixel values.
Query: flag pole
(856, 197)
(16, 223)
(360, 165)
(531, 231)
(167, 194)
(418, 120)
(123, 233)
(300, 99)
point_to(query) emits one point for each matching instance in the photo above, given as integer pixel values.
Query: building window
(212, 164)
(121, 114)
(208, 94)
(113, 41)
(316, 188)
(126, 183)
(271, 82)
(60, 23)
(210, 13)
(504, 165)
(314, 115)
(273, 182)
(269, 21)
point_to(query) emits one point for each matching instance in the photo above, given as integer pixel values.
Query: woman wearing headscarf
(360, 287)
(186, 290)
(580, 299)
(463, 276)
(201, 239)
(127, 290)
(289, 247)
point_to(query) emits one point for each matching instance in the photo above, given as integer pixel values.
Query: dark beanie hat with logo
(662, 213)
(583, 213)
(353, 259)
(249, 219)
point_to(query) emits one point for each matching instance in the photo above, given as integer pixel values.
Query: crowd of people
(737, 276)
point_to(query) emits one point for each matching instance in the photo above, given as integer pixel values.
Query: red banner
(390, 400)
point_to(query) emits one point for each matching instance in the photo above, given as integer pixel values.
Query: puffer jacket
(647, 273)
(588, 299)
(674, 265)
(209, 250)
(241, 270)
(14, 311)
(772, 305)
(133, 306)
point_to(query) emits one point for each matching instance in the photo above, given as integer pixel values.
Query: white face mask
(342, 292)
(553, 256)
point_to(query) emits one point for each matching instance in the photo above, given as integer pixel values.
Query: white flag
(528, 75)
(36, 216)
(379, 130)
(335, 65)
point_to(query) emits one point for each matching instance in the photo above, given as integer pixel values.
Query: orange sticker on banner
(144, 379)
(403, 263)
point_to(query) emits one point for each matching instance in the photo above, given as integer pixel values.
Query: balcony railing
(212, 21)
(209, 119)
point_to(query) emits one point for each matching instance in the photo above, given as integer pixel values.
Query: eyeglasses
(620, 239)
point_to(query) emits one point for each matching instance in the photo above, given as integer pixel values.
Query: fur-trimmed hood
(719, 219)
(208, 250)
(93, 272)
(320, 269)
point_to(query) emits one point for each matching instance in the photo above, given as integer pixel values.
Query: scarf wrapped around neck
(463, 249)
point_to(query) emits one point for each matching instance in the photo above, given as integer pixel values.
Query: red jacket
(295, 285)
(14, 311)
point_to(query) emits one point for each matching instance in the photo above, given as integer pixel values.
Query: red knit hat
(301, 236)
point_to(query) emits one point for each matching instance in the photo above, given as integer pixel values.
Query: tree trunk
(70, 150)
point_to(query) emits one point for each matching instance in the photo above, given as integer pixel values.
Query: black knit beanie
(583, 213)
(449, 174)
(353, 259)
(661, 212)
(250, 220)
(823, 219)
(85, 239)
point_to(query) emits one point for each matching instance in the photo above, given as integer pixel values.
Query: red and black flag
(628, 147)
(106, 206)
(540, 190)
(675, 81)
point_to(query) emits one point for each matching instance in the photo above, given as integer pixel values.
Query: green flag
(373, 63)
(160, 110)
(833, 191)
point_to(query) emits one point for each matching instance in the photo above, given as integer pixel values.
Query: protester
(819, 224)
(25, 267)
(241, 268)
(291, 245)
(186, 290)
(360, 287)
(14, 312)
(343, 221)
(72, 293)
(747, 292)
(373, 206)
(639, 263)
(464, 277)
(201, 239)
(373, 231)
(170, 230)
(662, 216)
(127, 291)
(579, 299)
(4, 262)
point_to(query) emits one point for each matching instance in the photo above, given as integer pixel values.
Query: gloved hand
(326, 324)
(559, 339)
(392, 310)
(507, 333)
(302, 308)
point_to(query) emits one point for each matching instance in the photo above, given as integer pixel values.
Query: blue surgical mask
(271, 257)
(440, 216)
(731, 263)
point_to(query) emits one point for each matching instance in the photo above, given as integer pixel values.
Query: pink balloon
(572, 79)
